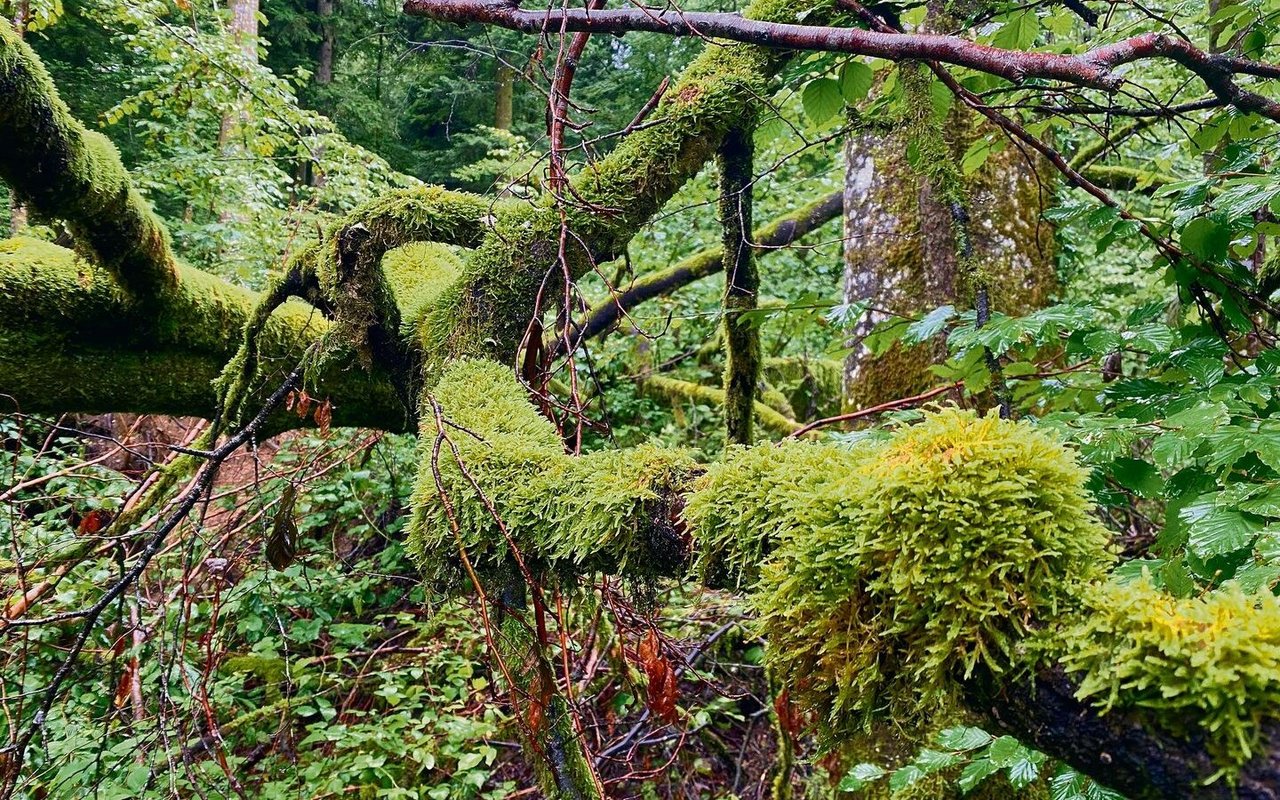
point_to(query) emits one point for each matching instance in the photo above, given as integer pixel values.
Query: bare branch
(1094, 69)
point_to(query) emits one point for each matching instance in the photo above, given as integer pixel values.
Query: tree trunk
(900, 251)
(17, 210)
(324, 57)
(741, 285)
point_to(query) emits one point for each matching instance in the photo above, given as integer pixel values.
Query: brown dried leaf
(324, 417)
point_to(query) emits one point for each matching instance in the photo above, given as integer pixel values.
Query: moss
(419, 273)
(926, 557)
(899, 189)
(813, 387)
(1206, 666)
(487, 313)
(755, 499)
(65, 171)
(607, 511)
(72, 339)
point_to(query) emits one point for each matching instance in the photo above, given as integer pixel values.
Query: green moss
(419, 274)
(928, 556)
(65, 171)
(1207, 665)
(813, 387)
(753, 500)
(72, 339)
(607, 511)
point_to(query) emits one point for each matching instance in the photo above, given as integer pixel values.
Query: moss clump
(1207, 665)
(933, 555)
(609, 511)
(753, 500)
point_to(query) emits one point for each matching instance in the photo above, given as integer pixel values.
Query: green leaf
(904, 777)
(855, 81)
(974, 773)
(822, 99)
(1005, 750)
(1213, 531)
(977, 155)
(1205, 239)
(1139, 477)
(1019, 30)
(929, 326)
(930, 761)
(469, 761)
(860, 776)
(964, 738)
(1023, 772)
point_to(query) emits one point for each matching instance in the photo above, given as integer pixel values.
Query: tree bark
(324, 55)
(900, 248)
(741, 285)
(504, 97)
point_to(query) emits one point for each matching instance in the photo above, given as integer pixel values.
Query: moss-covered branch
(71, 339)
(67, 172)
(779, 233)
(897, 575)
(523, 260)
(674, 390)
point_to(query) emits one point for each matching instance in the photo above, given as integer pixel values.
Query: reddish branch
(566, 68)
(1094, 69)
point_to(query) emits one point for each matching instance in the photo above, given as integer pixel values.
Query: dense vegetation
(471, 400)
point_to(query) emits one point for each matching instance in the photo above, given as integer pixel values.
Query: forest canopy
(767, 400)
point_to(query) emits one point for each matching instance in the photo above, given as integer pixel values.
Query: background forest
(283, 645)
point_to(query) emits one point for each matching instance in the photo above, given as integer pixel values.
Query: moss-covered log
(871, 548)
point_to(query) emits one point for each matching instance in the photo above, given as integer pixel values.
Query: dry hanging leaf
(324, 417)
(663, 688)
(304, 404)
(282, 542)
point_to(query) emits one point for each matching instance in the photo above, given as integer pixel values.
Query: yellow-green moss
(1205, 665)
(604, 511)
(932, 554)
(65, 171)
(755, 499)
(674, 390)
(72, 339)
